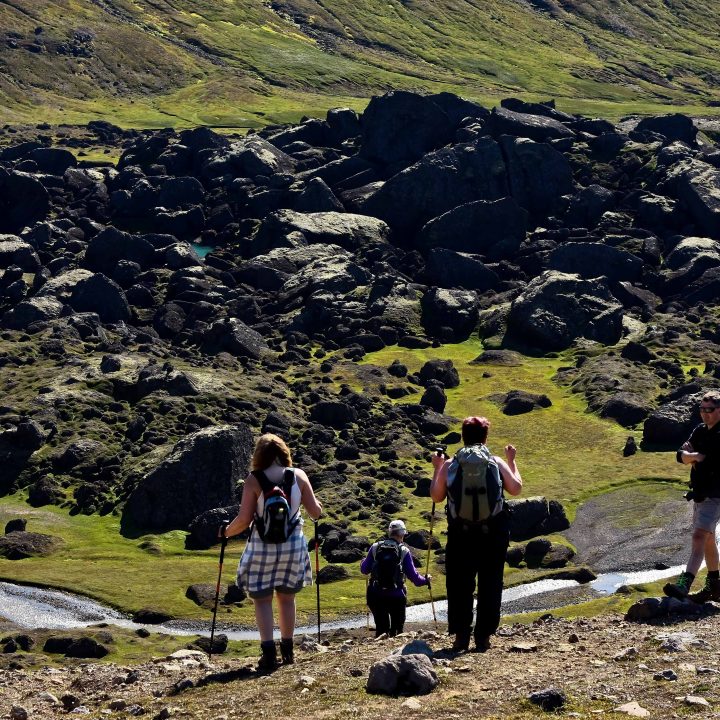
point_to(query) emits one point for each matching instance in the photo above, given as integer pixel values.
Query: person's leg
(712, 558)
(286, 613)
(264, 620)
(711, 589)
(460, 567)
(381, 616)
(396, 607)
(697, 552)
(264, 617)
(493, 549)
(704, 521)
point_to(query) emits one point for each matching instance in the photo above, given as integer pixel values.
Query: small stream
(31, 607)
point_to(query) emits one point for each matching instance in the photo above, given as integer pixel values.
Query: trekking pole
(427, 565)
(317, 571)
(217, 588)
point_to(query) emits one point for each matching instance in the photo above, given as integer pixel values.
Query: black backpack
(387, 572)
(277, 521)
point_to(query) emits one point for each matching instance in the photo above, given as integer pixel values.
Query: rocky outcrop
(557, 308)
(536, 516)
(200, 473)
(19, 545)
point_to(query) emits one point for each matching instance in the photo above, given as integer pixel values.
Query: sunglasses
(710, 409)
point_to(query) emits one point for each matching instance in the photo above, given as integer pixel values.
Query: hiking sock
(286, 650)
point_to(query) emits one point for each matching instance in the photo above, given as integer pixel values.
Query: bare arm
(438, 486)
(242, 521)
(307, 496)
(688, 456)
(512, 481)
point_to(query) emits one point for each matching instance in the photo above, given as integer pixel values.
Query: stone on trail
(633, 710)
(16, 524)
(402, 675)
(203, 593)
(412, 704)
(548, 699)
(417, 647)
(696, 700)
(627, 654)
(219, 644)
(151, 616)
(331, 574)
(523, 647)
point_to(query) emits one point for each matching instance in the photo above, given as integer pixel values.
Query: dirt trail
(576, 657)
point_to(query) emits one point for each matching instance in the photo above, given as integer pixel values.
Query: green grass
(564, 452)
(255, 66)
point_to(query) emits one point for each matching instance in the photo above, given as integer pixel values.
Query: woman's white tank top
(274, 474)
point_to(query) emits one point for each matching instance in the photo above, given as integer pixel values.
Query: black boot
(462, 641)
(268, 660)
(286, 650)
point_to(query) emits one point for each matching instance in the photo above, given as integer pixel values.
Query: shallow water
(202, 250)
(31, 607)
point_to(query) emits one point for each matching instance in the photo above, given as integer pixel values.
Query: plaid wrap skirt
(265, 567)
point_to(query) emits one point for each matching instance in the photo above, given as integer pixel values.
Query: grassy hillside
(241, 63)
(564, 453)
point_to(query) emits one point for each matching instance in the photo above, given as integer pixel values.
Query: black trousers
(388, 612)
(475, 556)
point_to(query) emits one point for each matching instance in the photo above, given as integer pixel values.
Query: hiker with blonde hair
(276, 561)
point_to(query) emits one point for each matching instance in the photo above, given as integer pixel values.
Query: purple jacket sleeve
(411, 573)
(367, 564)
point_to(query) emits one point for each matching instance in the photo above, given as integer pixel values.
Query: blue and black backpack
(277, 521)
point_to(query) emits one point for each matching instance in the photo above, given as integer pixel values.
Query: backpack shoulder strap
(288, 480)
(262, 478)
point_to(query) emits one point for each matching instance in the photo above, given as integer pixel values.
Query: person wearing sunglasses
(702, 453)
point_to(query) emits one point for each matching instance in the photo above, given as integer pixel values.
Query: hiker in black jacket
(475, 551)
(702, 453)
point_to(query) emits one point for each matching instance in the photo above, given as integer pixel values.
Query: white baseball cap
(397, 526)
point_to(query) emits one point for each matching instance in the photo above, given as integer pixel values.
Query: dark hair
(475, 430)
(268, 449)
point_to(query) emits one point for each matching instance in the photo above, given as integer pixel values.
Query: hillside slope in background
(243, 63)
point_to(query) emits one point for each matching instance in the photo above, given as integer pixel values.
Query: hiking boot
(711, 591)
(286, 650)
(680, 589)
(482, 644)
(462, 641)
(268, 660)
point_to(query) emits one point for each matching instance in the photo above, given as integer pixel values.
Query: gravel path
(630, 530)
